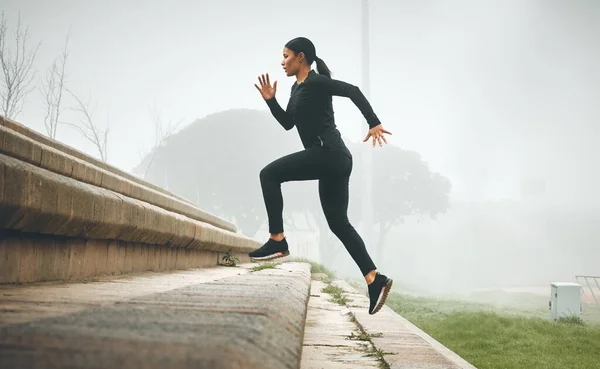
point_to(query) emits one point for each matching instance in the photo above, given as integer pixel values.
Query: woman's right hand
(266, 90)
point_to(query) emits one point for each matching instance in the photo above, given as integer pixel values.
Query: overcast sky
(486, 91)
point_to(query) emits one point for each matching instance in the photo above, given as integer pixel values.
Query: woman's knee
(267, 172)
(338, 224)
(264, 174)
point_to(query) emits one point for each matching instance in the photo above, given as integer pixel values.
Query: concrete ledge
(16, 145)
(26, 258)
(39, 201)
(27, 132)
(253, 320)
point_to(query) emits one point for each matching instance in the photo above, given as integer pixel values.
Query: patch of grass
(492, 338)
(336, 293)
(363, 336)
(378, 353)
(572, 320)
(268, 265)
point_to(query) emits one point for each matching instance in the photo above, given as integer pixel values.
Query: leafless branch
(17, 69)
(161, 134)
(52, 91)
(88, 129)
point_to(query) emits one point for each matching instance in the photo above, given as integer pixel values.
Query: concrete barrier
(24, 148)
(56, 209)
(36, 136)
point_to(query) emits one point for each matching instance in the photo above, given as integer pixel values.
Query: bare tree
(17, 70)
(52, 91)
(162, 132)
(89, 129)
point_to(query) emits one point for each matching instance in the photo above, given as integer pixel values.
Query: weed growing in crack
(371, 351)
(229, 259)
(336, 294)
(363, 336)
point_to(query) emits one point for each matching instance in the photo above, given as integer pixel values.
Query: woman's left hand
(377, 134)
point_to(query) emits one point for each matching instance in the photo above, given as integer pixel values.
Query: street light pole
(367, 203)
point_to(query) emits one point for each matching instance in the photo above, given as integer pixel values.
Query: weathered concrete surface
(27, 132)
(31, 302)
(407, 346)
(251, 320)
(26, 258)
(35, 200)
(326, 336)
(16, 145)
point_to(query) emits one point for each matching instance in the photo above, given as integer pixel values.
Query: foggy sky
(489, 93)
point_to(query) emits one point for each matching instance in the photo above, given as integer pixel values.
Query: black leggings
(332, 169)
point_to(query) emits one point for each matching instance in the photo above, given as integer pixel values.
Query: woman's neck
(302, 74)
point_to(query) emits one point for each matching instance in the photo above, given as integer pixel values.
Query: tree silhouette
(215, 162)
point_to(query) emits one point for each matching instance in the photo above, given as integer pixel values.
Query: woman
(325, 158)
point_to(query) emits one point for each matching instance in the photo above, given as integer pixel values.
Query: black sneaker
(378, 291)
(271, 250)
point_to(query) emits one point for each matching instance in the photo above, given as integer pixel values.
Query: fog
(502, 98)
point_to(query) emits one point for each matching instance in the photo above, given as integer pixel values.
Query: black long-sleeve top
(310, 110)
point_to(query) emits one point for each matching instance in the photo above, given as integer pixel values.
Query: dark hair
(304, 45)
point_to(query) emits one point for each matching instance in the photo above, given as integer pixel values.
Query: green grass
(501, 338)
(336, 293)
(363, 336)
(268, 265)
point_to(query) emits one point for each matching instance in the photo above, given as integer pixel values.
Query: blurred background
(487, 183)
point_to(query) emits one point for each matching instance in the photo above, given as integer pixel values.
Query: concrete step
(212, 318)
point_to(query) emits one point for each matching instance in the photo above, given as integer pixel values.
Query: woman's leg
(334, 194)
(299, 166)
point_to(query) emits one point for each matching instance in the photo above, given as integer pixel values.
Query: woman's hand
(266, 90)
(377, 134)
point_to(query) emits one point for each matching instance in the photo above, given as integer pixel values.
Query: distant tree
(17, 69)
(402, 186)
(217, 160)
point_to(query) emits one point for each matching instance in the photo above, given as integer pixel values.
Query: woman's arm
(268, 93)
(281, 115)
(341, 88)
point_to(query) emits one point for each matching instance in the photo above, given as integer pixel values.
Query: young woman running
(325, 158)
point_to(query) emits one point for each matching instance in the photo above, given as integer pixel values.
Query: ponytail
(322, 68)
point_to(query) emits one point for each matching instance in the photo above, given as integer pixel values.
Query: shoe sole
(272, 256)
(387, 289)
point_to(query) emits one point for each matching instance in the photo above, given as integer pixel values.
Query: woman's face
(291, 62)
